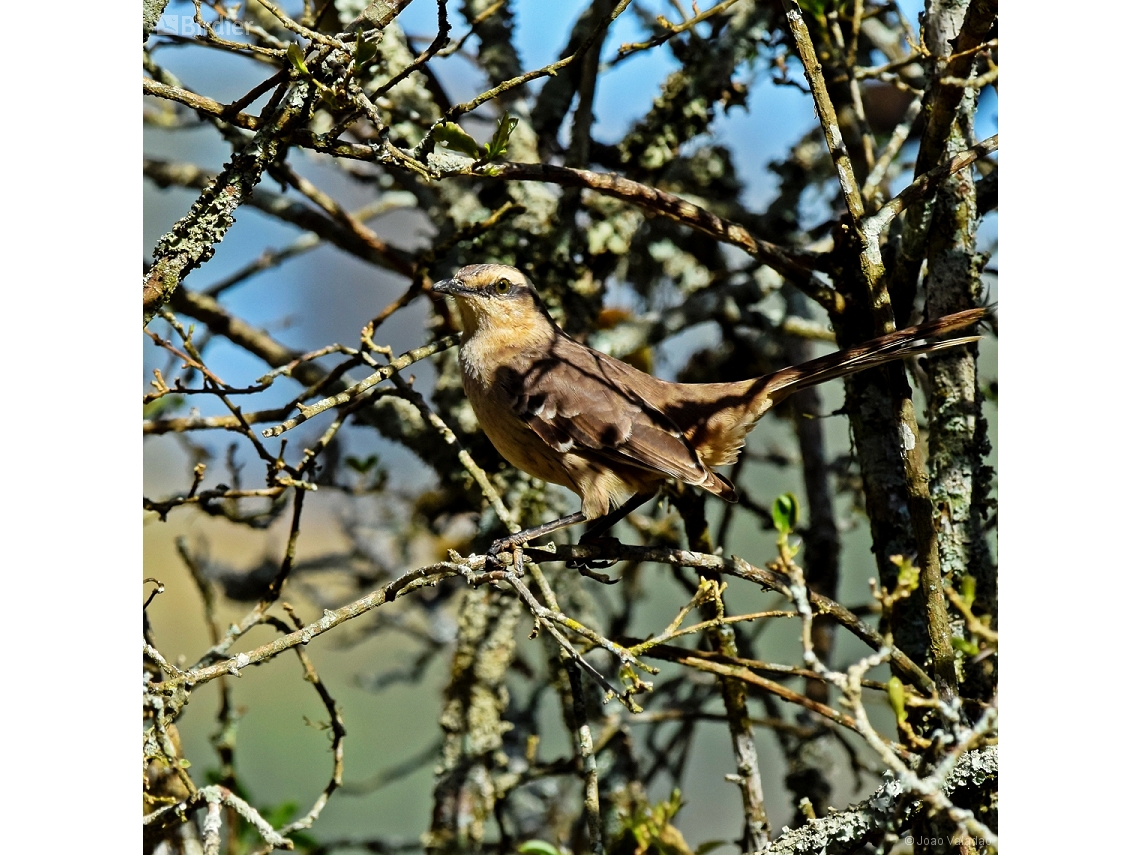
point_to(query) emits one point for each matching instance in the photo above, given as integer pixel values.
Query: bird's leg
(595, 534)
(603, 524)
(521, 537)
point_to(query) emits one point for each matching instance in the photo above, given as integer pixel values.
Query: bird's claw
(504, 546)
(587, 566)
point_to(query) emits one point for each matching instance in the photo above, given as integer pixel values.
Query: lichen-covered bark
(687, 102)
(152, 11)
(953, 28)
(847, 830)
(472, 721)
(960, 477)
(190, 242)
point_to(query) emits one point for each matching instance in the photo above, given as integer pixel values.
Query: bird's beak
(448, 286)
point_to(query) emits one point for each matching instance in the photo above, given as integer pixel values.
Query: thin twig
(891, 149)
(828, 119)
(735, 566)
(336, 724)
(174, 814)
(547, 71)
(200, 103)
(874, 224)
(411, 581)
(655, 201)
(671, 30)
(465, 458)
(364, 385)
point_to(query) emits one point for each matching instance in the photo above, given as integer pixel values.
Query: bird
(571, 415)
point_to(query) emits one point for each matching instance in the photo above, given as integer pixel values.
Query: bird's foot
(505, 553)
(503, 544)
(588, 566)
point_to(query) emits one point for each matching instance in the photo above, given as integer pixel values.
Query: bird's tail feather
(912, 341)
(716, 417)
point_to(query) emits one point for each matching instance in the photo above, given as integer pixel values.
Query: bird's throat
(495, 336)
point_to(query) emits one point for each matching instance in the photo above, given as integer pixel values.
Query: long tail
(716, 417)
(911, 341)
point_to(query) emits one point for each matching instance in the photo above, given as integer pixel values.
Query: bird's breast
(510, 435)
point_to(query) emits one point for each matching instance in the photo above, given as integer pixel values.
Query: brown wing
(578, 400)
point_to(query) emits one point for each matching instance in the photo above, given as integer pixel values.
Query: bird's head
(494, 296)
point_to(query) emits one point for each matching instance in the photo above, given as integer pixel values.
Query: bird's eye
(503, 286)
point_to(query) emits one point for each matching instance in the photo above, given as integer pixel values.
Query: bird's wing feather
(587, 405)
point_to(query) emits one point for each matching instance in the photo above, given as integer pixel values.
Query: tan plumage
(568, 414)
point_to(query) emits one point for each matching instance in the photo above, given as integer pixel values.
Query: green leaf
(297, 58)
(497, 147)
(278, 815)
(815, 8)
(362, 466)
(908, 573)
(162, 406)
(896, 694)
(785, 513)
(538, 847)
(665, 811)
(709, 846)
(965, 645)
(364, 53)
(457, 139)
(969, 590)
(329, 96)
